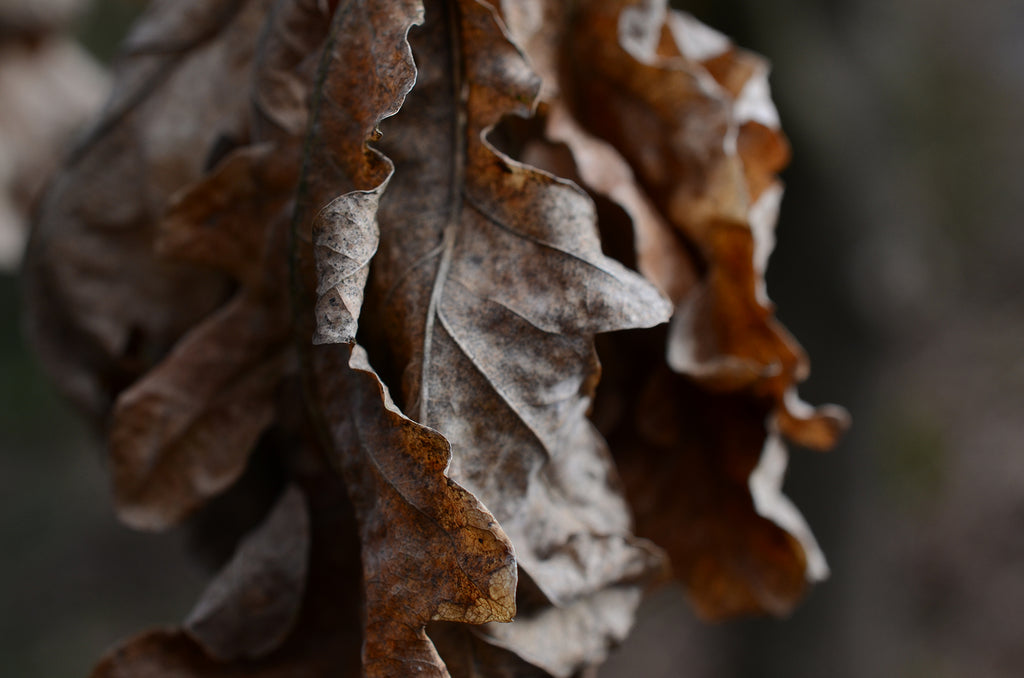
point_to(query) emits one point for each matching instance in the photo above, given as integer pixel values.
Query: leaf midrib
(460, 121)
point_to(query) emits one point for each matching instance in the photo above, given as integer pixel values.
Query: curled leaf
(249, 609)
(703, 474)
(103, 307)
(293, 211)
(184, 432)
(430, 550)
(487, 288)
(322, 640)
(670, 121)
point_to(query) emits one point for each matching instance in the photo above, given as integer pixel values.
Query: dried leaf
(430, 550)
(184, 432)
(103, 307)
(688, 473)
(250, 607)
(667, 119)
(427, 263)
(714, 180)
(490, 303)
(323, 640)
(344, 234)
(488, 287)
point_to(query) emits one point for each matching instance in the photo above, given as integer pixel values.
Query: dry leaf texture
(667, 119)
(318, 228)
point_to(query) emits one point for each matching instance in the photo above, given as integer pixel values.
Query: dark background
(899, 266)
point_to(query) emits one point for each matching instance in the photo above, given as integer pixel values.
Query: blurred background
(900, 268)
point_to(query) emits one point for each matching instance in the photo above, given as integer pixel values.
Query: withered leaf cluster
(364, 248)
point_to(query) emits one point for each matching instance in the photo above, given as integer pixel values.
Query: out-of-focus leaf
(103, 307)
(324, 639)
(184, 432)
(693, 116)
(48, 89)
(250, 607)
(35, 17)
(689, 466)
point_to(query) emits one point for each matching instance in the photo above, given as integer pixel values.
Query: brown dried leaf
(324, 640)
(368, 52)
(667, 119)
(103, 308)
(430, 550)
(184, 432)
(490, 303)
(693, 116)
(224, 220)
(250, 608)
(542, 29)
(286, 65)
(488, 287)
(690, 469)
(477, 283)
(417, 525)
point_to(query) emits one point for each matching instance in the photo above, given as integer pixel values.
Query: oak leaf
(667, 119)
(183, 433)
(487, 288)
(103, 306)
(378, 241)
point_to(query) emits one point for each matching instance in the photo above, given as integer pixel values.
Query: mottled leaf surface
(430, 550)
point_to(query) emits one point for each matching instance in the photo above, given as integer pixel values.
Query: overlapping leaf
(666, 118)
(487, 288)
(430, 550)
(184, 432)
(103, 307)
(257, 635)
(467, 285)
